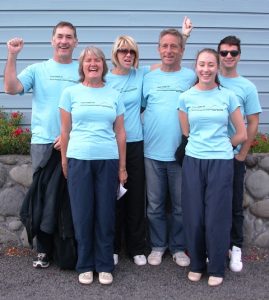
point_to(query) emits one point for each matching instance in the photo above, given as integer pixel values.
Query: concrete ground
(18, 280)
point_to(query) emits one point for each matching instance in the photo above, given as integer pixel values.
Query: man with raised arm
(47, 80)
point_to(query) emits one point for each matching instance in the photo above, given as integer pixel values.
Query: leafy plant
(13, 138)
(260, 143)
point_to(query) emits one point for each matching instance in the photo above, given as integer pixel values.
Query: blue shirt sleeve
(27, 78)
(65, 102)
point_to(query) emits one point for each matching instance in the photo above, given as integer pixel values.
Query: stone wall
(16, 177)
(256, 200)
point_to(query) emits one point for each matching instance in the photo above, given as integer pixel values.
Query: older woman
(93, 160)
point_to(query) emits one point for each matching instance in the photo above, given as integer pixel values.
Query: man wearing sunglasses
(229, 50)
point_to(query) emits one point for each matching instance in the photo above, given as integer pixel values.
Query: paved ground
(18, 280)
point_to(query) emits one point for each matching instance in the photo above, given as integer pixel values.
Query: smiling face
(228, 62)
(171, 51)
(63, 42)
(92, 68)
(207, 69)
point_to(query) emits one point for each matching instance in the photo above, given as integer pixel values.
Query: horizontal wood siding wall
(99, 22)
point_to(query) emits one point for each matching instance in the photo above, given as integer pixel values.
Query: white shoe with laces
(236, 264)
(86, 277)
(140, 260)
(155, 258)
(181, 259)
(105, 278)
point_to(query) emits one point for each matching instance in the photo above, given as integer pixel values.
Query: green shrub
(260, 144)
(13, 138)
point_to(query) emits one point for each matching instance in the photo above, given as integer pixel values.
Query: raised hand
(15, 45)
(187, 26)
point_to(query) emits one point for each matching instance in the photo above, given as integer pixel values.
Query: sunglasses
(233, 53)
(126, 51)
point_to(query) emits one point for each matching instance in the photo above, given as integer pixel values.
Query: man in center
(162, 136)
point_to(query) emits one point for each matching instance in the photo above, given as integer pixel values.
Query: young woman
(207, 171)
(93, 159)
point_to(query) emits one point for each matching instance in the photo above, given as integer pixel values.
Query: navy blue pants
(130, 209)
(238, 213)
(92, 187)
(207, 212)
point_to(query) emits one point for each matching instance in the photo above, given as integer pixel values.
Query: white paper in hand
(121, 191)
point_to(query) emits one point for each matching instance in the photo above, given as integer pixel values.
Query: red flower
(18, 131)
(15, 115)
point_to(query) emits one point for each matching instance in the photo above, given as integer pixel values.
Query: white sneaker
(194, 276)
(116, 259)
(140, 260)
(236, 264)
(181, 259)
(105, 278)
(214, 281)
(86, 277)
(155, 258)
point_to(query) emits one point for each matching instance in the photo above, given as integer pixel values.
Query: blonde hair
(124, 41)
(98, 53)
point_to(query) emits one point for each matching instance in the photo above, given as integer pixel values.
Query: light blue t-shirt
(47, 80)
(130, 88)
(93, 113)
(162, 133)
(208, 115)
(247, 96)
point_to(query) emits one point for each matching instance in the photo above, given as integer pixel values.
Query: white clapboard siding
(99, 22)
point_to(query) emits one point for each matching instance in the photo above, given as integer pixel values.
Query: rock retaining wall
(16, 177)
(256, 200)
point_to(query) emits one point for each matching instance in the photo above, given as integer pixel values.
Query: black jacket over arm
(46, 205)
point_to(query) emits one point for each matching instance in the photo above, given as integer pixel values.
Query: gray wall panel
(100, 21)
(142, 34)
(169, 5)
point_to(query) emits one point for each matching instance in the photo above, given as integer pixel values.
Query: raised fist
(15, 45)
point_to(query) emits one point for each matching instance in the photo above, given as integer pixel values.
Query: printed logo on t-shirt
(168, 88)
(208, 108)
(96, 104)
(128, 89)
(61, 78)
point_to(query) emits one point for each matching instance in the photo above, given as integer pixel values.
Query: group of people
(176, 135)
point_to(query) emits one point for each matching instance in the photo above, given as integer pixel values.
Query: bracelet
(186, 35)
(122, 170)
